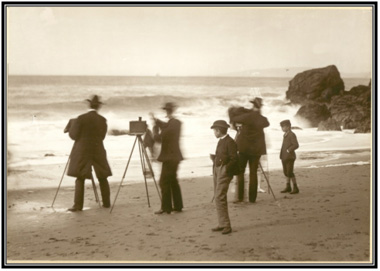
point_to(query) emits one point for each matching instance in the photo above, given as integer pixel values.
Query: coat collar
(223, 137)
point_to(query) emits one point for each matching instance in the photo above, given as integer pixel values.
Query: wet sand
(329, 221)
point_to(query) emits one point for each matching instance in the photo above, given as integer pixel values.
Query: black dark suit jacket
(289, 145)
(251, 138)
(88, 131)
(226, 154)
(170, 133)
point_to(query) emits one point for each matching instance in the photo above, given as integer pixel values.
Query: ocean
(39, 107)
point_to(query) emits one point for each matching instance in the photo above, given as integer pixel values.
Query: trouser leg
(174, 186)
(285, 170)
(166, 204)
(79, 194)
(105, 191)
(253, 166)
(222, 182)
(243, 159)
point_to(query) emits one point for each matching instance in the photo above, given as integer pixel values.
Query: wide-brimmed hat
(258, 102)
(169, 106)
(220, 123)
(95, 100)
(285, 123)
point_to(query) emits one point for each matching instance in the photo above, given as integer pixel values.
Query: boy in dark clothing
(225, 167)
(288, 156)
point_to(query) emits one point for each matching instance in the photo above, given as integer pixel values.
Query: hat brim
(254, 102)
(219, 126)
(92, 102)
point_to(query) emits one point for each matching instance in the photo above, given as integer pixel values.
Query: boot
(295, 189)
(287, 189)
(78, 196)
(105, 192)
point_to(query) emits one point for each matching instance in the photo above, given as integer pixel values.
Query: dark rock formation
(317, 85)
(322, 96)
(314, 113)
(364, 127)
(353, 109)
(329, 125)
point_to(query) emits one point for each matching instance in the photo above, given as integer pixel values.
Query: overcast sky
(185, 41)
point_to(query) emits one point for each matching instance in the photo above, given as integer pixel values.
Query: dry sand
(329, 221)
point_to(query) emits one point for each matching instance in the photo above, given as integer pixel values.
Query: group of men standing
(89, 131)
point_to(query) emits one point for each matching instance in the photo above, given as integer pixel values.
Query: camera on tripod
(137, 127)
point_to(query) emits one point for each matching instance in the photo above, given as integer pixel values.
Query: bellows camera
(137, 127)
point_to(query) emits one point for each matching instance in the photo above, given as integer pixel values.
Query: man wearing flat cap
(170, 156)
(89, 131)
(251, 145)
(225, 167)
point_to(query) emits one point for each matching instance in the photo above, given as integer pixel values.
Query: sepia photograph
(177, 134)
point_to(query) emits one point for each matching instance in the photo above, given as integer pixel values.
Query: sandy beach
(329, 221)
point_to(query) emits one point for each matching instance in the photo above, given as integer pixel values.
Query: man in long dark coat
(89, 131)
(251, 145)
(170, 156)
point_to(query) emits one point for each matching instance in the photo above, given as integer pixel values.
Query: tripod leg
(266, 178)
(125, 171)
(95, 190)
(59, 186)
(142, 160)
(151, 170)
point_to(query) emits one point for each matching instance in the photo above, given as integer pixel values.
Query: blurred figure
(170, 156)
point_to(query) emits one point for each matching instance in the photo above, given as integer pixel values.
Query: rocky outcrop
(314, 113)
(329, 125)
(326, 105)
(317, 85)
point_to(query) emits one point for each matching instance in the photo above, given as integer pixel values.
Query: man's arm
(74, 130)
(161, 124)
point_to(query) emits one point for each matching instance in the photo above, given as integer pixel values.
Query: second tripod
(144, 159)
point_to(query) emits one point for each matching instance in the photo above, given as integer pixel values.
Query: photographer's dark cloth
(89, 131)
(251, 139)
(148, 139)
(251, 145)
(170, 156)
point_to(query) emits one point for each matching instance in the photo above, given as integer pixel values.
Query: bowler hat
(220, 123)
(285, 123)
(169, 106)
(258, 102)
(95, 100)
